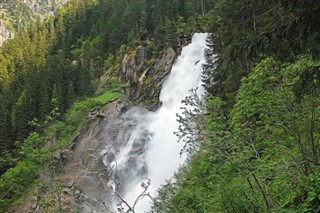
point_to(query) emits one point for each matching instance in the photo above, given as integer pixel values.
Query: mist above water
(153, 151)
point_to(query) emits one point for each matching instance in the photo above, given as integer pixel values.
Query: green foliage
(77, 113)
(260, 151)
(15, 181)
(245, 32)
(48, 71)
(32, 146)
(52, 63)
(263, 156)
(311, 190)
(258, 145)
(36, 153)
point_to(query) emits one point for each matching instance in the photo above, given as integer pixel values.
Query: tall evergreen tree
(57, 99)
(44, 100)
(20, 120)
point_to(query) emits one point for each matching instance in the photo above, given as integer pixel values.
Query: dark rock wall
(144, 75)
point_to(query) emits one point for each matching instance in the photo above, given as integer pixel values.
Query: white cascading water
(161, 155)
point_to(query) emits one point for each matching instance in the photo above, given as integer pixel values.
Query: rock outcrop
(44, 7)
(37, 8)
(79, 180)
(5, 34)
(144, 75)
(82, 177)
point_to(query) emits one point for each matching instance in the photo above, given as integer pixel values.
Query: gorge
(124, 147)
(82, 127)
(152, 151)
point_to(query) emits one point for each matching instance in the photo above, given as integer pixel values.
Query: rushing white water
(160, 157)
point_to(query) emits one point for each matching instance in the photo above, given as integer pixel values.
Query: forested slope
(51, 67)
(259, 133)
(17, 14)
(258, 139)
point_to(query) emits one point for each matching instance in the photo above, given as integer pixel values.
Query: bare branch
(143, 194)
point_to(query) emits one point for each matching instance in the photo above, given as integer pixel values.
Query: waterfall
(152, 151)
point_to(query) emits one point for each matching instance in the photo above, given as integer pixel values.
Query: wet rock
(142, 78)
(76, 192)
(87, 208)
(68, 182)
(66, 191)
(67, 209)
(89, 173)
(110, 157)
(34, 206)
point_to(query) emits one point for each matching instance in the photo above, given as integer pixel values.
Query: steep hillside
(50, 70)
(253, 145)
(81, 176)
(17, 14)
(257, 141)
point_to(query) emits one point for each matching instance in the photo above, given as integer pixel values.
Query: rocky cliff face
(5, 34)
(82, 177)
(79, 180)
(145, 76)
(43, 7)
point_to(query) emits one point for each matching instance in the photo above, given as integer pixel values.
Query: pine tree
(69, 97)
(20, 117)
(210, 76)
(57, 99)
(44, 100)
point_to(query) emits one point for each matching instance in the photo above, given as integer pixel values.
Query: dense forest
(17, 14)
(258, 133)
(51, 68)
(257, 146)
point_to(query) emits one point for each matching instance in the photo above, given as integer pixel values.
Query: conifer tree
(57, 98)
(210, 76)
(20, 117)
(44, 100)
